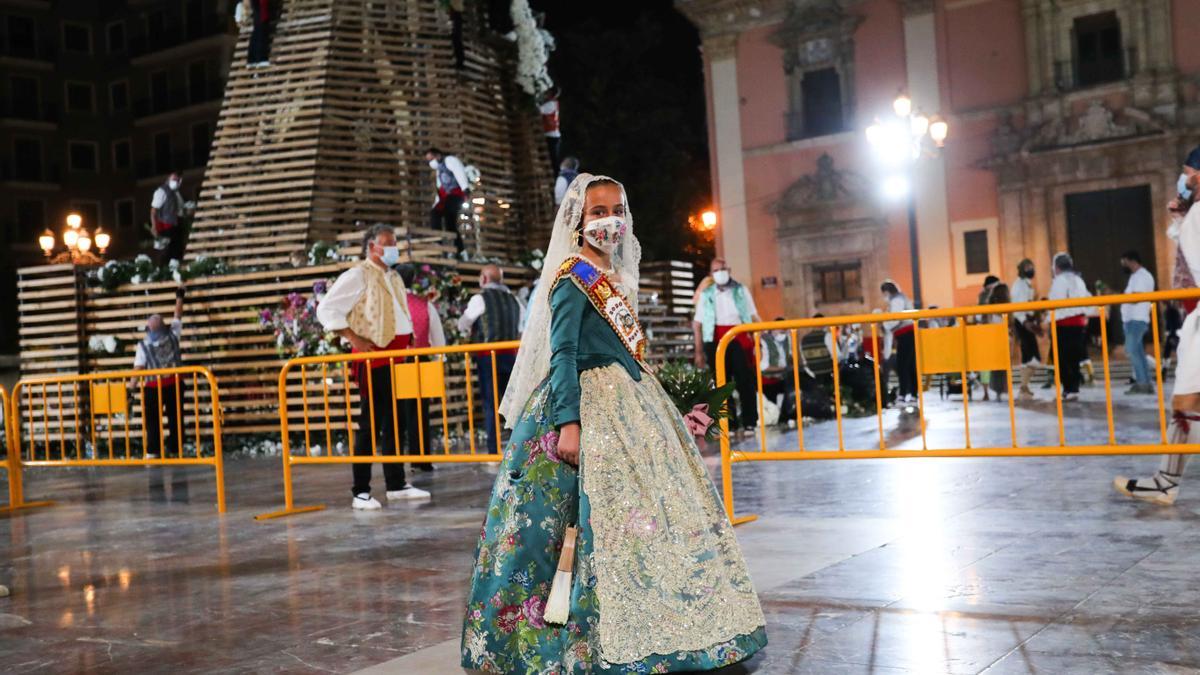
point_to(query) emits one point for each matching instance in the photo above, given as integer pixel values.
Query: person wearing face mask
(161, 395)
(493, 314)
(1070, 324)
(1026, 326)
(167, 208)
(1163, 486)
(720, 306)
(605, 546)
(453, 189)
(1136, 321)
(368, 307)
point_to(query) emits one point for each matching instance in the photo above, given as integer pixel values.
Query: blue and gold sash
(608, 301)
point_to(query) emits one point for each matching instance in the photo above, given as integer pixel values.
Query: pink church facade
(1069, 120)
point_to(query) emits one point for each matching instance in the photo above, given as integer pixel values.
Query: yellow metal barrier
(11, 461)
(305, 390)
(117, 418)
(960, 348)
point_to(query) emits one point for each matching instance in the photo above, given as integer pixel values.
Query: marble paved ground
(898, 566)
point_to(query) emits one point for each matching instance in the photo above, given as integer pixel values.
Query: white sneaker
(1160, 489)
(365, 502)
(408, 492)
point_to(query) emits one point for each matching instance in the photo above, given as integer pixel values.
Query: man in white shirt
(1070, 324)
(494, 314)
(550, 124)
(719, 307)
(453, 189)
(161, 395)
(1136, 320)
(368, 307)
(1026, 326)
(167, 208)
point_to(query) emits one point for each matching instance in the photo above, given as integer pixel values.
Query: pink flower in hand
(698, 420)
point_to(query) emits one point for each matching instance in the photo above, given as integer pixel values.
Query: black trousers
(456, 39)
(161, 411)
(1028, 342)
(176, 244)
(553, 143)
(387, 414)
(1072, 348)
(491, 392)
(906, 363)
(412, 425)
(260, 38)
(446, 219)
(737, 367)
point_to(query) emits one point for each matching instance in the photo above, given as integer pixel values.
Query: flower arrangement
(142, 270)
(694, 393)
(104, 344)
(297, 330)
(534, 260)
(323, 253)
(534, 45)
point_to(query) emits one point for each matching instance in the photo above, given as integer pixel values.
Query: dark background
(633, 107)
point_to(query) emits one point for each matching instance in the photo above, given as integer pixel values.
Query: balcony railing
(1067, 77)
(176, 34)
(28, 109)
(178, 98)
(25, 172)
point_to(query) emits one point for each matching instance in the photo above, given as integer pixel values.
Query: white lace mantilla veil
(533, 359)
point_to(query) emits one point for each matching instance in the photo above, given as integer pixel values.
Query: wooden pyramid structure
(331, 136)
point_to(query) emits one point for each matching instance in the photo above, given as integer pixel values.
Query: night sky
(633, 107)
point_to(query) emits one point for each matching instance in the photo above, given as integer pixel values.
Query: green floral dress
(659, 583)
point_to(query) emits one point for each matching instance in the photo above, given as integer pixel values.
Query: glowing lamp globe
(74, 220)
(70, 237)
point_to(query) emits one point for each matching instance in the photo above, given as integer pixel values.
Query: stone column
(929, 175)
(733, 228)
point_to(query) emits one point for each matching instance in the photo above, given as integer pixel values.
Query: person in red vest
(427, 332)
(550, 125)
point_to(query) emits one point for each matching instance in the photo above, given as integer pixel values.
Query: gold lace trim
(669, 573)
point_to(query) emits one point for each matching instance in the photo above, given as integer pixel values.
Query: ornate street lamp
(77, 243)
(899, 141)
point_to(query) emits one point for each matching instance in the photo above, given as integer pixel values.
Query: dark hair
(571, 163)
(434, 150)
(372, 233)
(818, 315)
(1063, 262)
(1000, 295)
(408, 273)
(889, 287)
(991, 279)
(1132, 256)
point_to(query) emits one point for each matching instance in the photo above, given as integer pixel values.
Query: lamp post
(898, 142)
(77, 243)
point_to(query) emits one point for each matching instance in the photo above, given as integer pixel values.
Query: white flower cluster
(102, 344)
(533, 50)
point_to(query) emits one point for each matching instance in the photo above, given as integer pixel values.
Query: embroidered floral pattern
(535, 497)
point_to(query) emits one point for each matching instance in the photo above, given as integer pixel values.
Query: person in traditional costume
(1163, 486)
(605, 548)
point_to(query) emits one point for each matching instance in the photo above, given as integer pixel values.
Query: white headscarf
(533, 360)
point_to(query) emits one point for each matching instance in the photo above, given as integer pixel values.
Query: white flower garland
(533, 50)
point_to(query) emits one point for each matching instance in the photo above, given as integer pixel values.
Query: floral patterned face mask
(605, 233)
